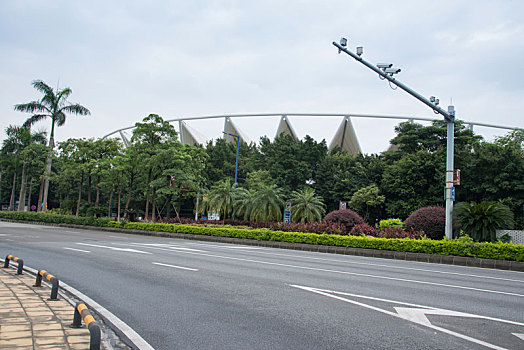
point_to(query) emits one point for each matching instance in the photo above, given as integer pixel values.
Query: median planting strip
(504, 256)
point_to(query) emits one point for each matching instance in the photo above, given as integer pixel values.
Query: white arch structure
(345, 136)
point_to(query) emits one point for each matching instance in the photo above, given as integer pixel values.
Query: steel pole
(450, 144)
(236, 166)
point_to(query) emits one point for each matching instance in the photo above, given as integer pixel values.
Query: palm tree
(267, 203)
(243, 202)
(221, 198)
(481, 220)
(55, 106)
(307, 207)
(17, 142)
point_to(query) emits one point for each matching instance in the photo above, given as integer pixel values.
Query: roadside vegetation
(154, 178)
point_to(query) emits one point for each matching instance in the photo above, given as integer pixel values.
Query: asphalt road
(180, 294)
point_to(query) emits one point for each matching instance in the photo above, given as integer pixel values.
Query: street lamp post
(236, 165)
(385, 71)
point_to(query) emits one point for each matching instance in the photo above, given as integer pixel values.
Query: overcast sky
(126, 59)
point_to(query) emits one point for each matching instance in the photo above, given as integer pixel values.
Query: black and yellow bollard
(54, 283)
(82, 312)
(19, 261)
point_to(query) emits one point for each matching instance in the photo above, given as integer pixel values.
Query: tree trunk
(48, 169)
(148, 192)
(110, 199)
(119, 197)
(21, 197)
(131, 180)
(79, 194)
(179, 205)
(89, 189)
(40, 194)
(153, 216)
(12, 199)
(29, 196)
(168, 210)
(97, 201)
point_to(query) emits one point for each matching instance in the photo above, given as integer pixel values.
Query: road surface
(182, 294)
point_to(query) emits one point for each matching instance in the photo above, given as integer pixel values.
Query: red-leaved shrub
(346, 217)
(398, 232)
(431, 220)
(364, 229)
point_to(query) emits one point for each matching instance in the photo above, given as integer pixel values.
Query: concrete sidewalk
(28, 320)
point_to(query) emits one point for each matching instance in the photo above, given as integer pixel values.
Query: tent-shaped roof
(285, 127)
(189, 136)
(346, 138)
(231, 128)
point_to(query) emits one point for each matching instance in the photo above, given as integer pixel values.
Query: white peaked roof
(285, 127)
(231, 128)
(124, 135)
(346, 138)
(190, 136)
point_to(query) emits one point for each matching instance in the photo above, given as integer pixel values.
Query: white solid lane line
(128, 250)
(175, 266)
(344, 272)
(165, 245)
(77, 250)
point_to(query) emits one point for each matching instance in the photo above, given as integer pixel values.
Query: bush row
(458, 247)
(500, 251)
(53, 218)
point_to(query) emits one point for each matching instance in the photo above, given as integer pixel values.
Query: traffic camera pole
(449, 117)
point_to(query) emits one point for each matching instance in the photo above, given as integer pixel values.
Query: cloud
(180, 58)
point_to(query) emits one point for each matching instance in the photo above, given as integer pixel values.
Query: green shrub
(463, 246)
(390, 223)
(53, 218)
(458, 247)
(114, 224)
(431, 220)
(481, 220)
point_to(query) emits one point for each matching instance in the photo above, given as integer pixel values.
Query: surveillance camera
(343, 42)
(392, 70)
(360, 50)
(432, 99)
(384, 65)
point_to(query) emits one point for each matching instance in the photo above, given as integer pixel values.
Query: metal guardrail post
(19, 261)
(54, 283)
(82, 312)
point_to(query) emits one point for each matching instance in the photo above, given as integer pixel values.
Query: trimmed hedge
(458, 247)
(500, 251)
(54, 218)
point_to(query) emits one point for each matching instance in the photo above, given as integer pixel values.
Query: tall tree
(149, 138)
(53, 105)
(18, 141)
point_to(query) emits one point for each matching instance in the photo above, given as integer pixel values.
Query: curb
(374, 253)
(131, 339)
